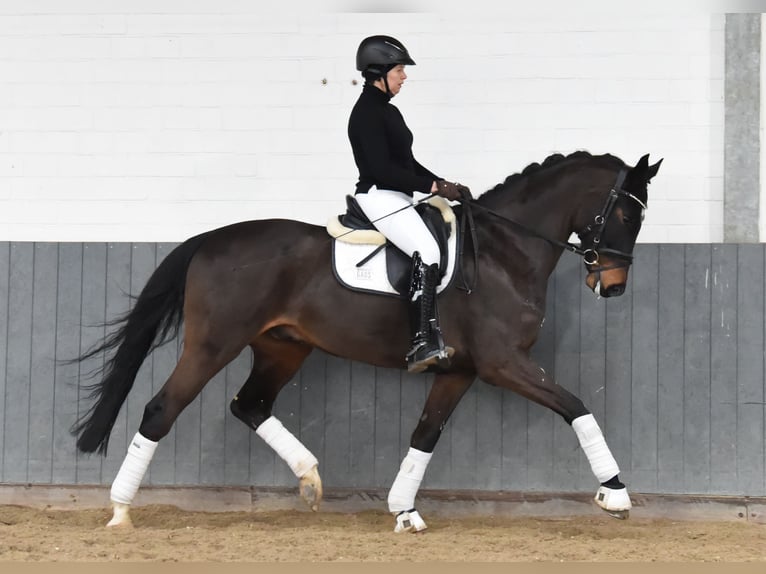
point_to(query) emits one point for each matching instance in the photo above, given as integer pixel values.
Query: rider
(388, 176)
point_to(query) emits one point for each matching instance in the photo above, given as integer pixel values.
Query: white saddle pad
(372, 276)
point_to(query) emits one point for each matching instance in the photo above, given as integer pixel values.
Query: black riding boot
(427, 344)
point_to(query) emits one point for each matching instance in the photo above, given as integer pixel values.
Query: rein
(590, 255)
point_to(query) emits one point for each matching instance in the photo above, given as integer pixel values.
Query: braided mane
(514, 180)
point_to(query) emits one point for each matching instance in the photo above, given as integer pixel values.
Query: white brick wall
(132, 122)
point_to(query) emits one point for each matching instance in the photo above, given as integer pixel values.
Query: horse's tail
(155, 319)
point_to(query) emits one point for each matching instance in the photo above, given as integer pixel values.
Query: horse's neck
(549, 214)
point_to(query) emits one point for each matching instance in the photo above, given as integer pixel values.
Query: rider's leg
(402, 225)
(404, 228)
(428, 348)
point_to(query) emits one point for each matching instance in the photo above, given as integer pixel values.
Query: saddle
(362, 255)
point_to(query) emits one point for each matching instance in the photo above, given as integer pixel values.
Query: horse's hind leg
(275, 361)
(198, 364)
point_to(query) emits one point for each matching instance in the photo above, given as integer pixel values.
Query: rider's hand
(451, 191)
(465, 193)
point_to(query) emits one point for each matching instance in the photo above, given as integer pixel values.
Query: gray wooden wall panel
(362, 423)
(673, 371)
(633, 377)
(42, 369)
(5, 272)
(18, 362)
(723, 368)
(65, 392)
(670, 369)
(750, 376)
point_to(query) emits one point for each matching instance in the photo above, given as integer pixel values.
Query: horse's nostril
(614, 291)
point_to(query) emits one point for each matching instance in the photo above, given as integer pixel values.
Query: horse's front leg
(520, 374)
(446, 392)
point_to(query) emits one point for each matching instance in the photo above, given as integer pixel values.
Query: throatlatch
(428, 347)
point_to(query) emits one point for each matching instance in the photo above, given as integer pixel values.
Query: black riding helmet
(376, 55)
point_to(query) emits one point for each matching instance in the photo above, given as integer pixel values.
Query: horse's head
(609, 238)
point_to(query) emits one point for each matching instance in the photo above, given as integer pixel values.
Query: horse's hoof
(311, 488)
(614, 501)
(409, 521)
(121, 517)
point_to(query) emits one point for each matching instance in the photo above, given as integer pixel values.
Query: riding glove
(452, 191)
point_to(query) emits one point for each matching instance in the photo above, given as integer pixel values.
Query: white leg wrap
(290, 449)
(133, 469)
(402, 494)
(593, 444)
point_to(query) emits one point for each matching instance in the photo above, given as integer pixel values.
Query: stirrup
(423, 356)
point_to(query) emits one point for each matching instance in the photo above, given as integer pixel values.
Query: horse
(268, 285)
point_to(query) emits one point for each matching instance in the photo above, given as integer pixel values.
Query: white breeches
(405, 229)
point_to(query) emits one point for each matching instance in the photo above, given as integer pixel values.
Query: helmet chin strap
(385, 81)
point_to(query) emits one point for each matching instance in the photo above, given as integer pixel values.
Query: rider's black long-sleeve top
(382, 146)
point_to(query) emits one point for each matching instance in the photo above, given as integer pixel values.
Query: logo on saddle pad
(363, 260)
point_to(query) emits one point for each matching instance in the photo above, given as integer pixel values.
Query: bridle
(590, 254)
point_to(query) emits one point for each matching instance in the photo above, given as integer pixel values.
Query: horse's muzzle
(606, 286)
(613, 291)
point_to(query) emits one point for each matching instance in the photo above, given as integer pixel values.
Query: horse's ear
(652, 170)
(644, 171)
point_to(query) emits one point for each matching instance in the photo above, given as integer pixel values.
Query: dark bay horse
(269, 285)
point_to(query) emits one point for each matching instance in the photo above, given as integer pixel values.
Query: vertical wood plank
(750, 378)
(213, 408)
(489, 438)
(68, 376)
(464, 468)
(5, 271)
(413, 398)
(336, 466)
(91, 333)
(723, 370)
(636, 414)
(670, 369)
(313, 404)
(18, 359)
(697, 369)
(387, 425)
(362, 421)
(42, 371)
(118, 261)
